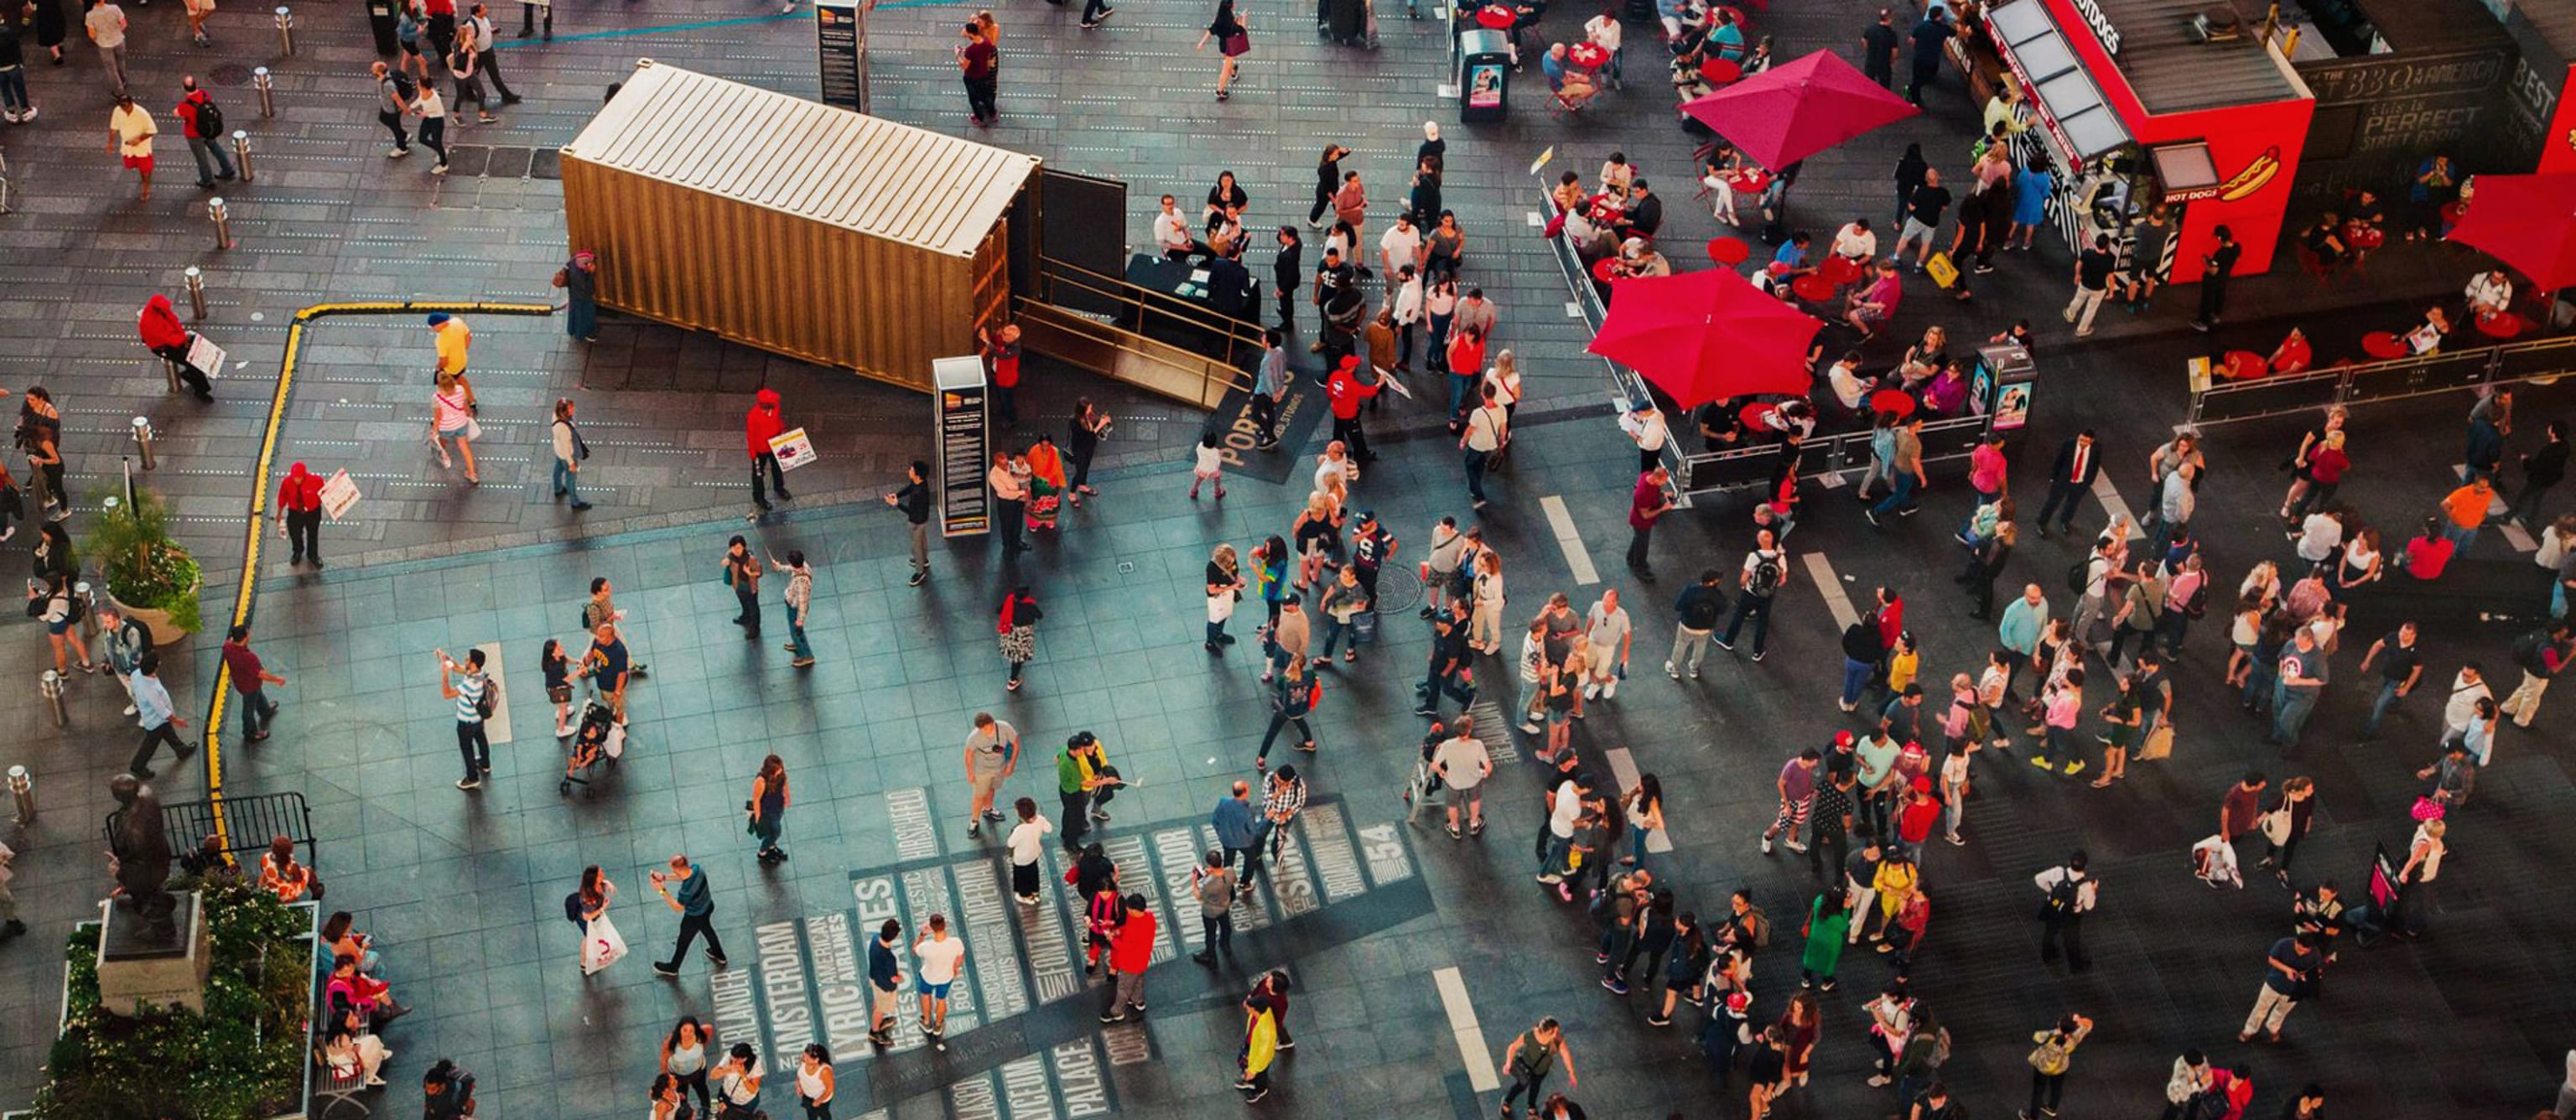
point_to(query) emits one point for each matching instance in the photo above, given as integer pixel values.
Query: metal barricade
(248, 824)
(2370, 382)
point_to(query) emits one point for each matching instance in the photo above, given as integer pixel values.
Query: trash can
(1484, 75)
(380, 19)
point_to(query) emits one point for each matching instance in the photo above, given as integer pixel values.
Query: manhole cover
(230, 74)
(1126, 567)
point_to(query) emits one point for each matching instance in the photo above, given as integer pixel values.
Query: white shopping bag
(792, 448)
(602, 946)
(339, 494)
(205, 356)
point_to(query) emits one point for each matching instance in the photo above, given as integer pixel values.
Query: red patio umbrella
(2528, 222)
(1796, 109)
(1702, 336)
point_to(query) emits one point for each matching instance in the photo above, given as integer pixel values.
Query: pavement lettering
(782, 983)
(1384, 850)
(1024, 1089)
(840, 993)
(1335, 862)
(1079, 1081)
(737, 1011)
(974, 1099)
(979, 895)
(1178, 859)
(1129, 852)
(1050, 955)
(1288, 877)
(878, 902)
(908, 810)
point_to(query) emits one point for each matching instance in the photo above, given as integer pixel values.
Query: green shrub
(242, 1058)
(142, 566)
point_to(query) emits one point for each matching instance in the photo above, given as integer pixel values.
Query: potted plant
(149, 576)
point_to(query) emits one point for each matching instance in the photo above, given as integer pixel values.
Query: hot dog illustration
(2244, 183)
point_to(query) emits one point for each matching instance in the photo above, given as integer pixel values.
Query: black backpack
(2080, 576)
(1766, 575)
(404, 86)
(2061, 898)
(210, 120)
(2198, 605)
(572, 908)
(491, 697)
(2526, 650)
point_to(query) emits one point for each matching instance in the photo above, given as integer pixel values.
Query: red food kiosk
(2141, 102)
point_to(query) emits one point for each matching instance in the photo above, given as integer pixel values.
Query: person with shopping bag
(601, 944)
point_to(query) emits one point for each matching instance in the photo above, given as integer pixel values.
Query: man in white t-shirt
(1463, 765)
(939, 956)
(1401, 245)
(1646, 428)
(1564, 807)
(1171, 234)
(1606, 628)
(1856, 242)
(1487, 425)
(992, 753)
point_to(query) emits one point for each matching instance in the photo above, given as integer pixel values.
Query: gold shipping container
(815, 232)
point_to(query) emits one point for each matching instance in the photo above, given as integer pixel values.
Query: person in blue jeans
(2301, 679)
(1861, 651)
(1905, 465)
(800, 603)
(2403, 667)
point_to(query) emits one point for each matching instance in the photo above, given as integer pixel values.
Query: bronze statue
(140, 857)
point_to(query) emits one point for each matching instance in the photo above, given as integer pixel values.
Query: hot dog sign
(2246, 183)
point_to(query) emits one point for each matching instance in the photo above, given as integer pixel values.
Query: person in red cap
(1347, 395)
(759, 426)
(165, 336)
(299, 514)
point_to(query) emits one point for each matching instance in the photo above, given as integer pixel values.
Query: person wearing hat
(454, 340)
(299, 514)
(762, 424)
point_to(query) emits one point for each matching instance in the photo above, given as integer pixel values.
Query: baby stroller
(1423, 783)
(2214, 860)
(597, 742)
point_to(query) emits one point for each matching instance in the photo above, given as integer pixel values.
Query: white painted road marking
(1831, 586)
(1562, 524)
(497, 728)
(2112, 504)
(1471, 1038)
(1623, 766)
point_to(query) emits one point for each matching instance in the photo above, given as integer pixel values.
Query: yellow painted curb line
(247, 596)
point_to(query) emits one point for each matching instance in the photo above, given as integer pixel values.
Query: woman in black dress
(1231, 40)
(1090, 426)
(50, 26)
(1328, 179)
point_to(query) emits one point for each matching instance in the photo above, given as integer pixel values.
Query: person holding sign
(759, 425)
(165, 336)
(299, 514)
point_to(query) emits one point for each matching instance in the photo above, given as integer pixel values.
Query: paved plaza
(1415, 958)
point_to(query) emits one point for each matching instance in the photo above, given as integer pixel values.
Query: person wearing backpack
(475, 693)
(1766, 571)
(2068, 894)
(2049, 1061)
(1291, 698)
(2541, 653)
(1696, 614)
(203, 124)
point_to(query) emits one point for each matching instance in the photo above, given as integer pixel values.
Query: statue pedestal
(136, 968)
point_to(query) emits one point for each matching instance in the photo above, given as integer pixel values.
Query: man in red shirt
(168, 339)
(1647, 504)
(299, 514)
(205, 133)
(1131, 950)
(249, 677)
(762, 424)
(2428, 554)
(1914, 822)
(1002, 366)
(1347, 394)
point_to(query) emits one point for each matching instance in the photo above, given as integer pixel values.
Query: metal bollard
(22, 795)
(267, 91)
(143, 438)
(223, 223)
(170, 374)
(196, 291)
(50, 686)
(285, 31)
(89, 617)
(241, 153)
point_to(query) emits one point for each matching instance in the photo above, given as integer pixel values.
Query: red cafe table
(1720, 71)
(1895, 401)
(1748, 181)
(1495, 17)
(1813, 288)
(2502, 325)
(1756, 416)
(2382, 344)
(2244, 364)
(1586, 56)
(1839, 271)
(1605, 269)
(2364, 236)
(1729, 251)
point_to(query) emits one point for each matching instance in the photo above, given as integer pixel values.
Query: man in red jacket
(1347, 394)
(165, 336)
(205, 134)
(1131, 949)
(299, 513)
(758, 427)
